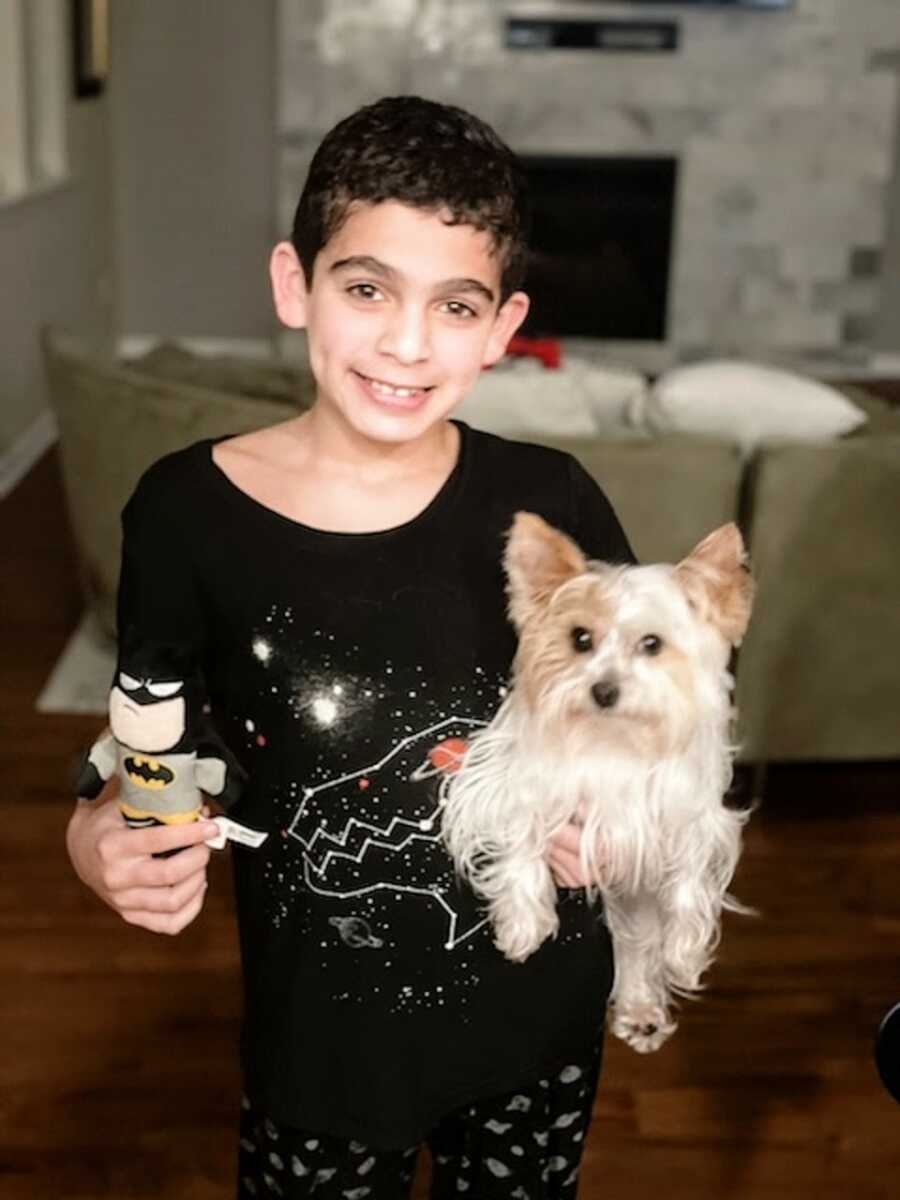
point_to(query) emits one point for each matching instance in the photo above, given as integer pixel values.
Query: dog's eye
(651, 644)
(582, 640)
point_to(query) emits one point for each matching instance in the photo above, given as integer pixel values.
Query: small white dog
(618, 719)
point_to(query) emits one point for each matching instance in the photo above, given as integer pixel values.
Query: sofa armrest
(817, 675)
(113, 423)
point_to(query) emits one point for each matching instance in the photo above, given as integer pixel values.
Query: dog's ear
(717, 582)
(538, 559)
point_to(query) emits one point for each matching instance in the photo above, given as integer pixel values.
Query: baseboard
(26, 451)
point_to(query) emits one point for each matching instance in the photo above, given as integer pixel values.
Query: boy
(338, 579)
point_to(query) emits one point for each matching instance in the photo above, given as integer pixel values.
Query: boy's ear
(288, 286)
(510, 316)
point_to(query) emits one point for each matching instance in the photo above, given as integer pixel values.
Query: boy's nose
(405, 336)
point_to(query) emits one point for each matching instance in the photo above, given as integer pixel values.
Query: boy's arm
(118, 863)
(595, 526)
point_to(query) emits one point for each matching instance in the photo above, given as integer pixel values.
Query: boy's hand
(160, 894)
(564, 858)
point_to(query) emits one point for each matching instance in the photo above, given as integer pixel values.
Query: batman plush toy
(161, 744)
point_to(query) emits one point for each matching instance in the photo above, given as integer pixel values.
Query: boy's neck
(335, 444)
(336, 480)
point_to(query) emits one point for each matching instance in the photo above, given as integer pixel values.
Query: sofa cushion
(746, 403)
(882, 417)
(113, 423)
(668, 493)
(257, 379)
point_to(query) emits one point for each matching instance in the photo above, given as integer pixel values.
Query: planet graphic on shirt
(442, 759)
(356, 932)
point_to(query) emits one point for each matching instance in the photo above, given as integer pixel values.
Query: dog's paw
(643, 1026)
(519, 936)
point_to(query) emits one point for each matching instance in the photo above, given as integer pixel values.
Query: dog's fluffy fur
(618, 718)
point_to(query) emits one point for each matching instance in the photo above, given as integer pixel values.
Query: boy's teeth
(387, 390)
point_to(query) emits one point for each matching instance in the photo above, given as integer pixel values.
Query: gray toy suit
(159, 786)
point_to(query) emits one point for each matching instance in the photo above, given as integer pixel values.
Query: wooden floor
(118, 1074)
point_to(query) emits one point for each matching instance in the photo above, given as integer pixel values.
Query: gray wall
(888, 330)
(193, 121)
(55, 267)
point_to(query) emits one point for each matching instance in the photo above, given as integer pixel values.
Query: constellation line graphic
(452, 941)
(323, 849)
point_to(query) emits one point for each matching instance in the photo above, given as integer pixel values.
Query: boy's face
(401, 316)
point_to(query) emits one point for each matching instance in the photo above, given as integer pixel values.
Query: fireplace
(600, 246)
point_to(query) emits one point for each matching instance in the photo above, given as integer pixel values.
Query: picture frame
(90, 47)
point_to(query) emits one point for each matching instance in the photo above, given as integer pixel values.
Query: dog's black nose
(605, 694)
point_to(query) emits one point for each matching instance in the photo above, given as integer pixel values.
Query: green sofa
(816, 676)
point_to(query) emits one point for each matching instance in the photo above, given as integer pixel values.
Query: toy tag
(230, 831)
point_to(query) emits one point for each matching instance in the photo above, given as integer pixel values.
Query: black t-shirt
(344, 671)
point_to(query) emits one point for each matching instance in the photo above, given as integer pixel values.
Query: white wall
(193, 120)
(55, 267)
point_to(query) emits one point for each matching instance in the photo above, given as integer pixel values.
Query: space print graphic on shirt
(358, 839)
(357, 866)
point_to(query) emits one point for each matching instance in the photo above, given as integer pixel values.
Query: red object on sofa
(547, 350)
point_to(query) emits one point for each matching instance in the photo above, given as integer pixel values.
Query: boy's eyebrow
(366, 262)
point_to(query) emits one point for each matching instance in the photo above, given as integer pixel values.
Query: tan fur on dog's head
(623, 652)
(538, 560)
(714, 576)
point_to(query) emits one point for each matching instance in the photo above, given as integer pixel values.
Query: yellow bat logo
(148, 773)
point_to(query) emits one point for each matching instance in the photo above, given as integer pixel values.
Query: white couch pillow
(611, 389)
(520, 396)
(745, 403)
(579, 399)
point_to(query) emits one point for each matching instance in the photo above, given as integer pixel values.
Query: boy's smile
(401, 316)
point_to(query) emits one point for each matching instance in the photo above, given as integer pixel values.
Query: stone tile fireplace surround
(781, 125)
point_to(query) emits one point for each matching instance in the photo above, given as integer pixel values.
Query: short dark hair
(430, 156)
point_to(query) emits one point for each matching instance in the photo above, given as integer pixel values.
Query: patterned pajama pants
(525, 1145)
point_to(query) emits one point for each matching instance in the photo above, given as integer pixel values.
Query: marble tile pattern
(782, 122)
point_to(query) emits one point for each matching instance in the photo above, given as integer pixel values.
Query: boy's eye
(364, 291)
(456, 308)
(582, 640)
(651, 644)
